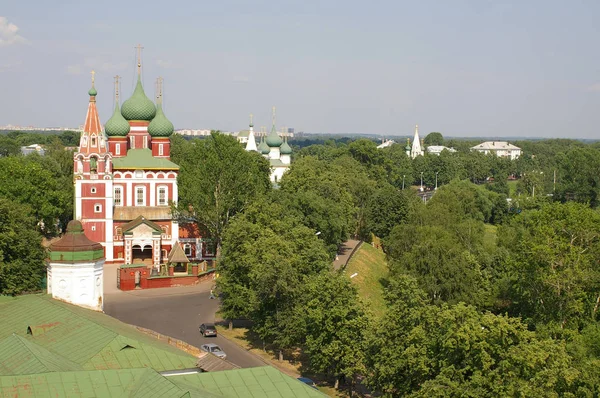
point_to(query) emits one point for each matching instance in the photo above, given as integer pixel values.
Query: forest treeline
(484, 296)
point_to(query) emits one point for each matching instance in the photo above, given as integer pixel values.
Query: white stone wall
(80, 284)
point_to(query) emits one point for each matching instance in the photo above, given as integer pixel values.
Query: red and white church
(125, 183)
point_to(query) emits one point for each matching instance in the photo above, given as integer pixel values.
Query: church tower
(251, 145)
(93, 178)
(417, 149)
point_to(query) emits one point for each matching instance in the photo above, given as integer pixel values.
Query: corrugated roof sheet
(251, 382)
(91, 339)
(142, 159)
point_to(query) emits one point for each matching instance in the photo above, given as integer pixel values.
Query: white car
(214, 349)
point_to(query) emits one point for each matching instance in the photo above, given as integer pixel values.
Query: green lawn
(512, 188)
(489, 236)
(371, 267)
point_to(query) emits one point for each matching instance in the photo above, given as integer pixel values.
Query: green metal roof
(277, 163)
(22, 356)
(264, 381)
(273, 139)
(160, 126)
(138, 106)
(117, 126)
(92, 340)
(104, 383)
(142, 159)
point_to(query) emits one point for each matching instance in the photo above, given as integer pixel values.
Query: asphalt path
(176, 312)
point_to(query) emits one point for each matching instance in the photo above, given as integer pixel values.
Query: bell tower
(93, 178)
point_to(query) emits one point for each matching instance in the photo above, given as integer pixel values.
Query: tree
(268, 254)
(22, 264)
(424, 350)
(434, 138)
(35, 181)
(334, 326)
(218, 179)
(8, 146)
(388, 207)
(555, 252)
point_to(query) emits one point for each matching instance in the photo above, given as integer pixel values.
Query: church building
(274, 148)
(125, 182)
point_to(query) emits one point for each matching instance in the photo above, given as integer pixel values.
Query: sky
(464, 68)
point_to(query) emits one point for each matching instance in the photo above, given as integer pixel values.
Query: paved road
(175, 312)
(344, 253)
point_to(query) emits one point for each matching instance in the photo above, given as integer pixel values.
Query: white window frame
(93, 190)
(97, 208)
(160, 150)
(145, 141)
(187, 249)
(158, 202)
(118, 149)
(119, 189)
(137, 190)
(132, 142)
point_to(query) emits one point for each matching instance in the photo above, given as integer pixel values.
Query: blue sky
(464, 68)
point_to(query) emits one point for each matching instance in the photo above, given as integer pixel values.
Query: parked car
(308, 381)
(208, 329)
(214, 349)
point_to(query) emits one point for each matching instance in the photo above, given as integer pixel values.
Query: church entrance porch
(142, 255)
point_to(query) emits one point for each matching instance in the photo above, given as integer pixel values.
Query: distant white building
(502, 149)
(33, 148)
(437, 149)
(385, 144)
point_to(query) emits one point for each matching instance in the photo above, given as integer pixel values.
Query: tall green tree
(434, 138)
(218, 179)
(22, 264)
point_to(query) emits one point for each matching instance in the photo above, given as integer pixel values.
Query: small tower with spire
(417, 149)
(273, 140)
(407, 147)
(251, 145)
(93, 181)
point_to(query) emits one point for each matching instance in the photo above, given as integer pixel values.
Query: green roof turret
(138, 106)
(116, 126)
(263, 147)
(160, 126)
(285, 148)
(273, 139)
(92, 91)
(407, 147)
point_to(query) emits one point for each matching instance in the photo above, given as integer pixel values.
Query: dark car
(208, 329)
(308, 381)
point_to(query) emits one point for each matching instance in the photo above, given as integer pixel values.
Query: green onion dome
(160, 126)
(93, 91)
(407, 147)
(263, 147)
(273, 139)
(116, 126)
(285, 148)
(138, 107)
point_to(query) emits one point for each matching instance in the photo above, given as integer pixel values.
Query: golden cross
(93, 76)
(273, 116)
(160, 83)
(139, 57)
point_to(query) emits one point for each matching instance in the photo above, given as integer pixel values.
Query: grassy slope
(371, 267)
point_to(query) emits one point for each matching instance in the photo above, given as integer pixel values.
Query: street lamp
(436, 173)
(403, 176)
(421, 181)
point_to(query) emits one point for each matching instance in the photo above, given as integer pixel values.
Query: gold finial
(93, 77)
(117, 77)
(160, 87)
(139, 58)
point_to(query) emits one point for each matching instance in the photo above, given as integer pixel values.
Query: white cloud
(9, 33)
(167, 64)
(593, 87)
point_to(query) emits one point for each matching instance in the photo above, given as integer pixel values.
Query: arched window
(93, 140)
(93, 164)
(161, 195)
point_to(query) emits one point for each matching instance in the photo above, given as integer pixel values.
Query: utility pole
(421, 181)
(436, 173)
